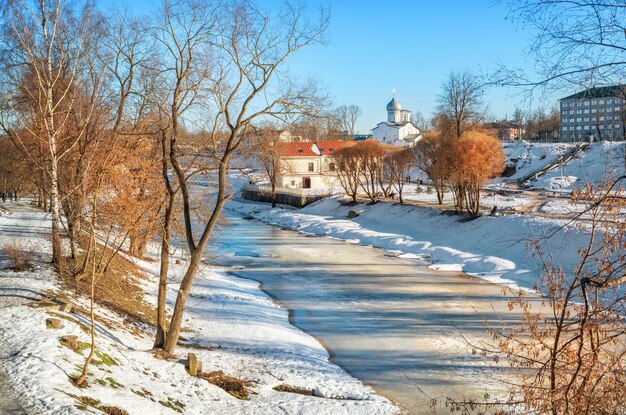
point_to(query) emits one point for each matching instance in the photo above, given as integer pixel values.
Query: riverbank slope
(230, 324)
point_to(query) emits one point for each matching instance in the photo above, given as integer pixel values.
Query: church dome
(394, 105)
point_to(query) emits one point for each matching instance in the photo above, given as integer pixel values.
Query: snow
(491, 200)
(530, 157)
(492, 248)
(561, 206)
(558, 182)
(237, 328)
(592, 164)
(599, 161)
(487, 199)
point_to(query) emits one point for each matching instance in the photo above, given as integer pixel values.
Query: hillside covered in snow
(562, 166)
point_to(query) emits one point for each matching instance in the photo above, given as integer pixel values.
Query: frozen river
(8, 403)
(389, 321)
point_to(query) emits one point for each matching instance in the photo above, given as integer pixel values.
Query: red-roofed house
(309, 164)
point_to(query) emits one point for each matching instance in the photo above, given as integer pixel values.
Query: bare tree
(576, 43)
(398, 165)
(570, 347)
(45, 50)
(370, 155)
(428, 154)
(349, 170)
(418, 119)
(182, 35)
(247, 49)
(469, 162)
(268, 150)
(542, 124)
(461, 100)
(347, 116)
(322, 125)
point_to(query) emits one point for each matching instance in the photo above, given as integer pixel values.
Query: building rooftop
(600, 92)
(393, 124)
(312, 148)
(394, 105)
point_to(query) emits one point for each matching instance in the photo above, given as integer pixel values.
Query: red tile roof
(306, 148)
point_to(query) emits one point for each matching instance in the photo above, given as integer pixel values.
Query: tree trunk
(161, 330)
(92, 300)
(138, 243)
(57, 252)
(196, 254)
(181, 300)
(83, 376)
(273, 195)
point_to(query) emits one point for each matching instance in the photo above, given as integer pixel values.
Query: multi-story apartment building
(594, 114)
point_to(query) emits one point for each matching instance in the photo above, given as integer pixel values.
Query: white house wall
(294, 169)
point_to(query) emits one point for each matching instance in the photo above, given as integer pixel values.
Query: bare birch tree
(44, 50)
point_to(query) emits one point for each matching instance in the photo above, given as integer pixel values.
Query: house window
(311, 167)
(331, 167)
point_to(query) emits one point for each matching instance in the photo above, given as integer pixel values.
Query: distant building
(398, 130)
(594, 114)
(506, 131)
(309, 164)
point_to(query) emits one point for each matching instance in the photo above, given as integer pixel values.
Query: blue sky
(377, 45)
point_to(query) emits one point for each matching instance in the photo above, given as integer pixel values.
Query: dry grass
(117, 288)
(21, 257)
(84, 403)
(293, 389)
(234, 386)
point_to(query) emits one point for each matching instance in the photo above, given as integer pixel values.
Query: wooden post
(192, 364)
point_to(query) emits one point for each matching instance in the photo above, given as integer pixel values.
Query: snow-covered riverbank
(233, 327)
(492, 248)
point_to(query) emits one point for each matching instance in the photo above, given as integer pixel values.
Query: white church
(398, 130)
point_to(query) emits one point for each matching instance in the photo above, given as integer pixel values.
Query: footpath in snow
(232, 325)
(492, 248)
